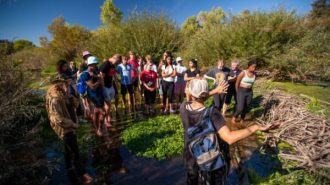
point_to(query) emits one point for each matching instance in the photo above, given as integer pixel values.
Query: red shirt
(135, 65)
(149, 77)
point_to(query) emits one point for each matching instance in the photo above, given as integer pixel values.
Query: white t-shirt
(180, 69)
(168, 70)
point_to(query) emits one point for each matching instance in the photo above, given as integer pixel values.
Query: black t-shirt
(213, 72)
(192, 73)
(233, 73)
(109, 70)
(190, 118)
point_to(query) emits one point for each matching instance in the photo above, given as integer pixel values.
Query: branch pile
(308, 133)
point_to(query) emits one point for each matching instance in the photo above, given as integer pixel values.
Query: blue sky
(29, 19)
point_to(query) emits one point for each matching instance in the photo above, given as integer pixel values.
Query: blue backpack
(204, 144)
(81, 84)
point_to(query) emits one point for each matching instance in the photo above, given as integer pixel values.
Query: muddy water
(109, 162)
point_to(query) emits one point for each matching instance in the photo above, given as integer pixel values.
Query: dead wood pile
(308, 133)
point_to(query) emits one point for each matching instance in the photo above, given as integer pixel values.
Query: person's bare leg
(96, 121)
(161, 102)
(100, 120)
(107, 118)
(224, 109)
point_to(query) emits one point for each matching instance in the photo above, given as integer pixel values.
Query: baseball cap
(178, 59)
(92, 60)
(197, 87)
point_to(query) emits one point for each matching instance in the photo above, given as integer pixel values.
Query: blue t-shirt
(92, 92)
(125, 73)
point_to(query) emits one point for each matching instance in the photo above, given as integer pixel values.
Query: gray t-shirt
(213, 72)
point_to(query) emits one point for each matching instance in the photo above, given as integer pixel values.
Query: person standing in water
(108, 71)
(190, 113)
(192, 73)
(124, 69)
(218, 74)
(150, 84)
(180, 84)
(168, 74)
(64, 122)
(244, 83)
(232, 77)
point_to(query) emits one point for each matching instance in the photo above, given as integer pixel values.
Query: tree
(211, 18)
(6, 47)
(190, 26)
(320, 9)
(68, 39)
(22, 44)
(110, 15)
(152, 34)
(43, 41)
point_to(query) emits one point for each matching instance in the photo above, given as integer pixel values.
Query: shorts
(108, 93)
(179, 88)
(98, 101)
(115, 88)
(149, 97)
(125, 88)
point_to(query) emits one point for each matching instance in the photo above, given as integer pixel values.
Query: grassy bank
(318, 92)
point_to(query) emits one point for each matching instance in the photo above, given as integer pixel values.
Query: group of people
(93, 86)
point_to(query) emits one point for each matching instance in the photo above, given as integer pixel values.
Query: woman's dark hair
(85, 57)
(60, 64)
(252, 62)
(194, 61)
(168, 56)
(168, 53)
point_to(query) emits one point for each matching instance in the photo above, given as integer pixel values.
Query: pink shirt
(135, 65)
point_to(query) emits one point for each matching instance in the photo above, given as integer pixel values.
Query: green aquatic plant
(159, 137)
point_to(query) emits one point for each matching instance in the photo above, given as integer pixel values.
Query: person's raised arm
(209, 78)
(233, 136)
(220, 89)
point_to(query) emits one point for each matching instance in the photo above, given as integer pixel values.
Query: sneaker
(165, 111)
(172, 111)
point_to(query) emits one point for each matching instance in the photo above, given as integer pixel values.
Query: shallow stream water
(110, 162)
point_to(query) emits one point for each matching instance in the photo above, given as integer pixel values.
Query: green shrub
(145, 33)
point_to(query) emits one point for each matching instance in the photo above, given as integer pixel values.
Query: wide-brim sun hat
(85, 53)
(59, 78)
(92, 60)
(197, 87)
